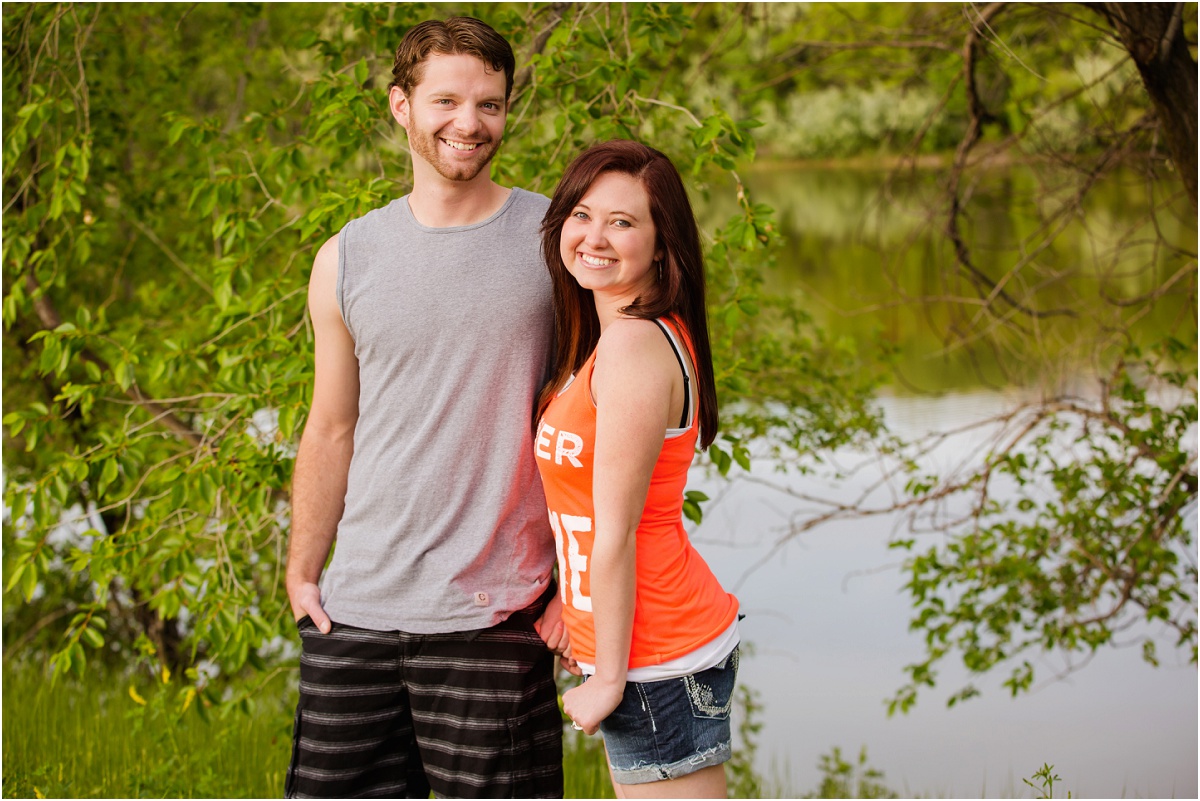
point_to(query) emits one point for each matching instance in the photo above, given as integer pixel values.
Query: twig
(170, 254)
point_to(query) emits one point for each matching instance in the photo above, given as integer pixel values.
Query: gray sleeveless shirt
(445, 527)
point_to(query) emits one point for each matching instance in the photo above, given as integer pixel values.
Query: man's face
(455, 115)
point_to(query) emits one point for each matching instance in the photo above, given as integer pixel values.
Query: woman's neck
(608, 310)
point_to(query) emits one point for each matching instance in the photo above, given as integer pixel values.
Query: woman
(631, 393)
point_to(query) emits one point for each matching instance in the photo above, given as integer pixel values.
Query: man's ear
(398, 103)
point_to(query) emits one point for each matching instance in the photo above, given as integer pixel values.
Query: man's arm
(323, 460)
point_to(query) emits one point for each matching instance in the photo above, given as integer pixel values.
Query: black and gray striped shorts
(386, 713)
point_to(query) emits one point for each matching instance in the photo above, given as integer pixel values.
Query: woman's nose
(594, 236)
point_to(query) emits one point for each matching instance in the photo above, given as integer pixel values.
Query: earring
(659, 263)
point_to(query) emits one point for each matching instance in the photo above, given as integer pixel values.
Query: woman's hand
(591, 702)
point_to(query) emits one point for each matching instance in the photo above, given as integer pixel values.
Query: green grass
(91, 739)
(585, 770)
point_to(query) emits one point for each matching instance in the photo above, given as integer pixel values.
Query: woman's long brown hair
(679, 293)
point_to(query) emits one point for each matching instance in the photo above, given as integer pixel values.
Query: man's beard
(426, 145)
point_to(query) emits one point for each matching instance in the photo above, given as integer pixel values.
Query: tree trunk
(1153, 35)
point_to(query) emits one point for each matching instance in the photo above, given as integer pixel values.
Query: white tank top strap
(689, 403)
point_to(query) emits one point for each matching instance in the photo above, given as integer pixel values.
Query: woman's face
(608, 240)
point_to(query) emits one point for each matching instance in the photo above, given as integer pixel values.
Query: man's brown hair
(456, 36)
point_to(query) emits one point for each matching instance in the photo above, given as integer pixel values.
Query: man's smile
(466, 147)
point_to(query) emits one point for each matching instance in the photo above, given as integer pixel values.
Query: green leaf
(29, 582)
(720, 458)
(108, 474)
(79, 560)
(15, 576)
(177, 130)
(287, 421)
(123, 374)
(92, 637)
(51, 355)
(223, 293)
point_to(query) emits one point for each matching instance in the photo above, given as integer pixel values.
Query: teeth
(461, 145)
(597, 262)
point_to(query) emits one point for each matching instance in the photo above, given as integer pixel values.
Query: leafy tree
(168, 171)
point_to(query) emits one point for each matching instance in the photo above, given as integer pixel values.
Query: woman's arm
(635, 381)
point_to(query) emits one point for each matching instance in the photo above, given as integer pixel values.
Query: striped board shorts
(390, 714)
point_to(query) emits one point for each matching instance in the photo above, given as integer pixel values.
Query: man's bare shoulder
(322, 284)
(326, 259)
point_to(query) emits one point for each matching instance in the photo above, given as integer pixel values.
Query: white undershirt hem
(708, 655)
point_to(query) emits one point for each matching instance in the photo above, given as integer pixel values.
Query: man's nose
(468, 121)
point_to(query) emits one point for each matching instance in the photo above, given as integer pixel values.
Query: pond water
(827, 621)
(866, 255)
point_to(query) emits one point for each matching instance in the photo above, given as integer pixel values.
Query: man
(423, 667)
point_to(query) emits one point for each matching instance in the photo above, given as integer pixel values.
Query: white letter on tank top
(542, 447)
(578, 560)
(562, 562)
(576, 443)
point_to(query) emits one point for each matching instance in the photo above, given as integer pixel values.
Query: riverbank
(984, 156)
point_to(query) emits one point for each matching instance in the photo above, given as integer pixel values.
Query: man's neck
(440, 203)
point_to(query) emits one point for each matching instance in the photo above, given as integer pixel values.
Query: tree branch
(557, 11)
(977, 117)
(51, 319)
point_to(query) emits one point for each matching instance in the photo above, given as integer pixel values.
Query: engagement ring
(576, 726)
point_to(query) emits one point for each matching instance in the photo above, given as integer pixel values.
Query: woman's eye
(622, 223)
(579, 215)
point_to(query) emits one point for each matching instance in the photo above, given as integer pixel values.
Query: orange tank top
(680, 605)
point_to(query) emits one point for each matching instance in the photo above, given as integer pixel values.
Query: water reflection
(867, 255)
(827, 618)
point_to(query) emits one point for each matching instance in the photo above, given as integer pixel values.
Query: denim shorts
(670, 728)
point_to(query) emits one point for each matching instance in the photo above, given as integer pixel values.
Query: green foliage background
(169, 171)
